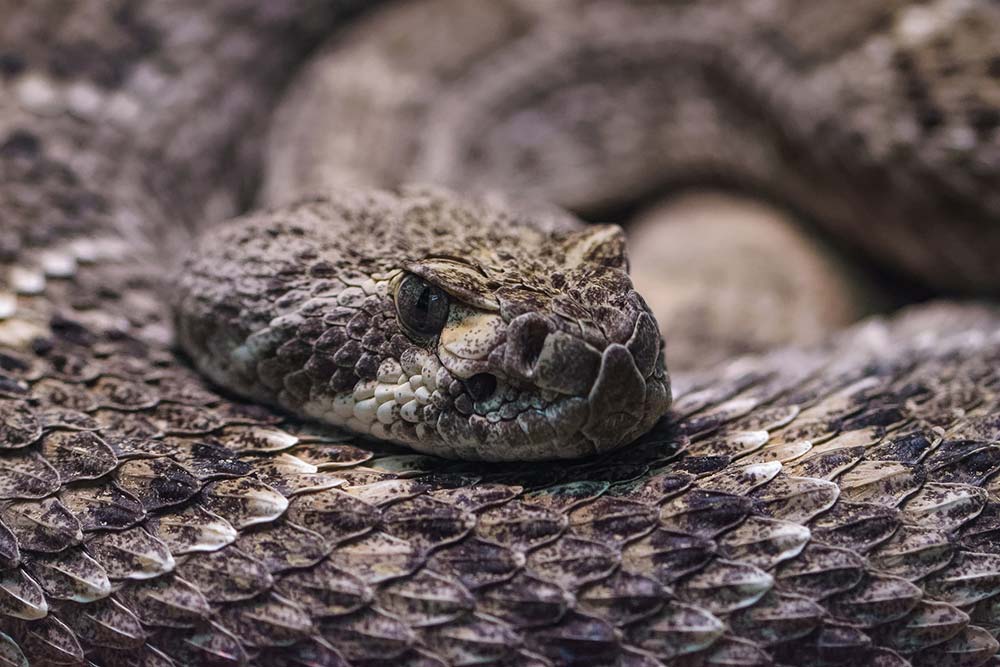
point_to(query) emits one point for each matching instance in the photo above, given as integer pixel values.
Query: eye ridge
(422, 308)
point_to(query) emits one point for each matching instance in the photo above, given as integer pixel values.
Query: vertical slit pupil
(423, 305)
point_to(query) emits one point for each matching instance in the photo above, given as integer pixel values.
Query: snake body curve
(821, 505)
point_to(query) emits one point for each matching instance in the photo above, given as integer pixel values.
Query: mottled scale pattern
(818, 506)
(828, 505)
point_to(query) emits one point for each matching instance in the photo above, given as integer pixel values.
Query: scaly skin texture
(296, 308)
(827, 505)
(876, 121)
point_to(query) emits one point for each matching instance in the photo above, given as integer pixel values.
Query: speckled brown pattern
(876, 123)
(878, 119)
(296, 308)
(828, 505)
(818, 506)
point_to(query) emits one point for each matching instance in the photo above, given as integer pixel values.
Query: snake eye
(422, 308)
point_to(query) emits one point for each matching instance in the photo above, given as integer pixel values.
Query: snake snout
(526, 338)
(617, 400)
(549, 359)
(632, 389)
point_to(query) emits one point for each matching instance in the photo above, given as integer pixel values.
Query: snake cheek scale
(832, 504)
(420, 319)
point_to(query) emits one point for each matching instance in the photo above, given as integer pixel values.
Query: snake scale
(825, 504)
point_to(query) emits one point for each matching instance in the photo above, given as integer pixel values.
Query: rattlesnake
(819, 504)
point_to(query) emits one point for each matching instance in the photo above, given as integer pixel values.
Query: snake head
(447, 325)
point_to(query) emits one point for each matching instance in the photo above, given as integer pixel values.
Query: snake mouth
(527, 390)
(545, 394)
(545, 384)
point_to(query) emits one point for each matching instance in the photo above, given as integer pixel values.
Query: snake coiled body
(833, 503)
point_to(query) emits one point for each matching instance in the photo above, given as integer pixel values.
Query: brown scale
(145, 519)
(690, 560)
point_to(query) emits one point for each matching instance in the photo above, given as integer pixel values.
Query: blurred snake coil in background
(817, 493)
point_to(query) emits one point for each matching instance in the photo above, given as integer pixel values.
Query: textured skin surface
(875, 121)
(879, 119)
(814, 506)
(296, 308)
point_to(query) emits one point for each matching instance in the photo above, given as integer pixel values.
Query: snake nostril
(530, 343)
(481, 386)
